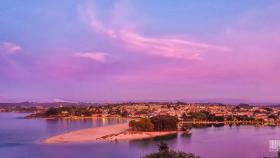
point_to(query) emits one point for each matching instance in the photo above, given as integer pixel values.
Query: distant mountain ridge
(204, 101)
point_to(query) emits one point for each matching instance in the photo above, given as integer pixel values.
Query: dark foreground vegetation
(165, 152)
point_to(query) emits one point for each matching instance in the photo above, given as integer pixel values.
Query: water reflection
(18, 139)
(153, 142)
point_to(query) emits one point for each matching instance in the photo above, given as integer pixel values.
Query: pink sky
(126, 51)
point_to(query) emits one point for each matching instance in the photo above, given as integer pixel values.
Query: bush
(199, 115)
(164, 123)
(157, 123)
(164, 152)
(52, 111)
(143, 124)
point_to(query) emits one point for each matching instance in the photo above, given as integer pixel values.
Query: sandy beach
(128, 135)
(104, 134)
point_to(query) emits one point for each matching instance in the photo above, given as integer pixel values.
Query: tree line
(156, 123)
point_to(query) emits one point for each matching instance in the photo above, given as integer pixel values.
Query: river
(21, 138)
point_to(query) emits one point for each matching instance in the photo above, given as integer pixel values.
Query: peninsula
(144, 128)
(110, 133)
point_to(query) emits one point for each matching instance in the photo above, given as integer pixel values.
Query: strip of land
(104, 134)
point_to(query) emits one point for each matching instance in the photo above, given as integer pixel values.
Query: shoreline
(111, 133)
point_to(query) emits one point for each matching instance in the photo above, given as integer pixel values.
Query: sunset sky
(139, 50)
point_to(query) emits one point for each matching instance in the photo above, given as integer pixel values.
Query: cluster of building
(142, 110)
(181, 110)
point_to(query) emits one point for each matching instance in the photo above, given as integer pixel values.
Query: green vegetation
(165, 152)
(67, 111)
(206, 116)
(164, 123)
(143, 124)
(157, 123)
(52, 111)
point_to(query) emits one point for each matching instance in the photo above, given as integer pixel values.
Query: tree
(199, 115)
(164, 152)
(164, 123)
(124, 113)
(157, 123)
(163, 147)
(52, 111)
(132, 125)
(184, 117)
(272, 116)
(144, 124)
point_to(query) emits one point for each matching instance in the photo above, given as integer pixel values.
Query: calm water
(20, 138)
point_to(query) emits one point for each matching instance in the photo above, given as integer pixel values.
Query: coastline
(109, 133)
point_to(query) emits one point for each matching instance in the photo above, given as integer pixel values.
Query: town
(194, 113)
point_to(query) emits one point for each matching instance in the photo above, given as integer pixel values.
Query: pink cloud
(92, 20)
(168, 47)
(96, 56)
(9, 48)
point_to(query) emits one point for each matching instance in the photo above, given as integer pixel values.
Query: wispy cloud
(166, 47)
(9, 48)
(96, 56)
(169, 47)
